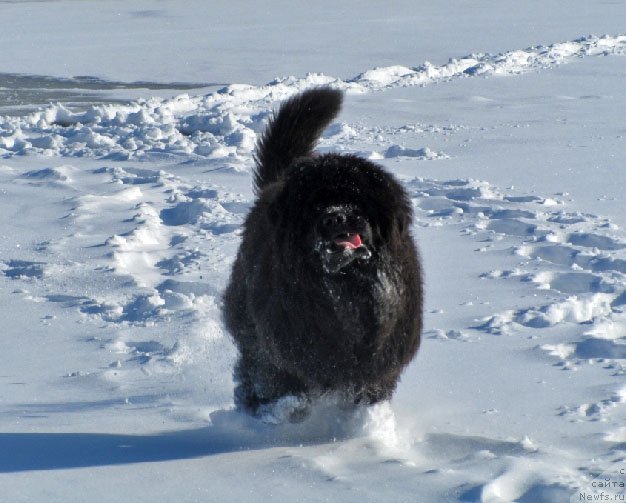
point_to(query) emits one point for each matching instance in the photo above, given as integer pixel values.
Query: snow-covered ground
(121, 205)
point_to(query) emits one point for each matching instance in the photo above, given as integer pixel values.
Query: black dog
(325, 295)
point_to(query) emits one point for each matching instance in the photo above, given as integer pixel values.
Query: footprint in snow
(23, 269)
(568, 254)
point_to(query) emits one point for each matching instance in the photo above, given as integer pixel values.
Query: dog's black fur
(325, 295)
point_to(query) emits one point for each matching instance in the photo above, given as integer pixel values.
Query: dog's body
(325, 295)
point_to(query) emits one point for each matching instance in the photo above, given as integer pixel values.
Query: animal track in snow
(597, 411)
(590, 240)
(572, 257)
(23, 269)
(571, 282)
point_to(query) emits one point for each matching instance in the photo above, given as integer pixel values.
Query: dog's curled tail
(293, 131)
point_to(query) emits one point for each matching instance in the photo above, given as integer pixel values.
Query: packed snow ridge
(224, 124)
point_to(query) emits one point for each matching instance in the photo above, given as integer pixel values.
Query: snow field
(518, 392)
(225, 123)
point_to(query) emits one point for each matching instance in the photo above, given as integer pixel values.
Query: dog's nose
(334, 219)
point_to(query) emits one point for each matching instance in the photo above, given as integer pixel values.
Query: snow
(224, 123)
(122, 204)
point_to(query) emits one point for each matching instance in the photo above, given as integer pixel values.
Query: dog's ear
(273, 198)
(273, 212)
(400, 224)
(403, 221)
(403, 216)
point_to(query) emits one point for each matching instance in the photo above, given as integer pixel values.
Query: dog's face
(342, 234)
(339, 212)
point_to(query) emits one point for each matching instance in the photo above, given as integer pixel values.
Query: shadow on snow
(229, 432)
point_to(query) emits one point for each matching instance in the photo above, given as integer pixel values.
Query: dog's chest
(367, 305)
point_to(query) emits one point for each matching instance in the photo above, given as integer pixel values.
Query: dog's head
(342, 233)
(339, 212)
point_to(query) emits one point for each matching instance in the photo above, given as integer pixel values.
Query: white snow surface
(224, 123)
(122, 217)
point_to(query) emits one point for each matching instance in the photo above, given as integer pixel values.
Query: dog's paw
(287, 409)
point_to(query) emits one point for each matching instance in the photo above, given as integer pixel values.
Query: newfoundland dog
(325, 296)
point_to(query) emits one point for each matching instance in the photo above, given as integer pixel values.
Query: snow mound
(224, 124)
(422, 153)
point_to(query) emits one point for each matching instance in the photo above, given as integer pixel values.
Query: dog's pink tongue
(351, 241)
